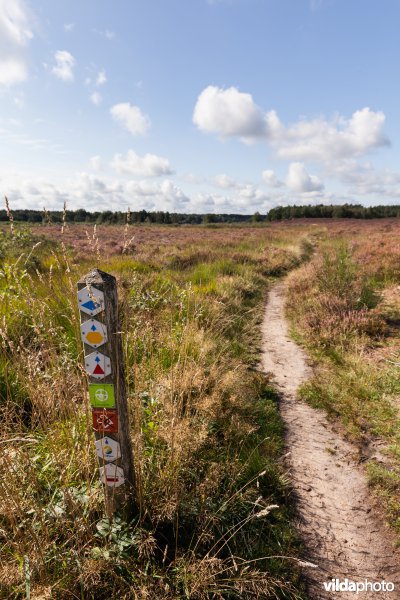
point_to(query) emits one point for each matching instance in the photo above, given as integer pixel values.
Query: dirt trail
(337, 521)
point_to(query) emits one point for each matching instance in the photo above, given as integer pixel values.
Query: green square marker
(102, 395)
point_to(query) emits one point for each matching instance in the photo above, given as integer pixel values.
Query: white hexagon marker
(94, 333)
(97, 365)
(108, 449)
(91, 301)
(112, 475)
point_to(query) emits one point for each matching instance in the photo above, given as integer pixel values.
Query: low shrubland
(213, 518)
(344, 307)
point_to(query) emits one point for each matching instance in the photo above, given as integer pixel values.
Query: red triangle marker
(98, 370)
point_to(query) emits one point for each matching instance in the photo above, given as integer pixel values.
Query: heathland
(215, 511)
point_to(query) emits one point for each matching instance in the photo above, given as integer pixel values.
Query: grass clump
(338, 300)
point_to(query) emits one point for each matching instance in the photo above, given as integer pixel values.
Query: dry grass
(205, 429)
(345, 307)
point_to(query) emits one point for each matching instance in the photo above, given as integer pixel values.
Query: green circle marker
(102, 395)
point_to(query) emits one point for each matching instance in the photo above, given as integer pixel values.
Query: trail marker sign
(94, 333)
(105, 420)
(112, 475)
(97, 365)
(108, 449)
(102, 395)
(104, 365)
(91, 301)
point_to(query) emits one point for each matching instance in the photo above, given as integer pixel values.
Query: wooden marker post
(98, 305)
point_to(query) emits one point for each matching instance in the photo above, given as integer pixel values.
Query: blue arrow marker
(93, 328)
(90, 305)
(97, 359)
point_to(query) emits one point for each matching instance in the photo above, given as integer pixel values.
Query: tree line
(118, 217)
(279, 213)
(332, 211)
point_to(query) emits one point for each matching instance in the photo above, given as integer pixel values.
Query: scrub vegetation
(344, 307)
(215, 516)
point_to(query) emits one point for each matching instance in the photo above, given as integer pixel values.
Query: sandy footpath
(336, 518)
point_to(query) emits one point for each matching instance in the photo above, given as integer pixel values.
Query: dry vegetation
(345, 307)
(214, 519)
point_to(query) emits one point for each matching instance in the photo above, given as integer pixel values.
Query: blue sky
(199, 105)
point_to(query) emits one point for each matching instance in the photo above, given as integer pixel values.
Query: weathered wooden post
(98, 305)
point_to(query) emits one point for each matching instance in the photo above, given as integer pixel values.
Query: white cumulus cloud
(299, 180)
(15, 34)
(321, 140)
(224, 182)
(92, 192)
(149, 165)
(247, 201)
(270, 178)
(64, 67)
(159, 196)
(230, 113)
(131, 118)
(365, 179)
(241, 189)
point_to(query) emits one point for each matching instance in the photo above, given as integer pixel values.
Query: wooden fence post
(100, 331)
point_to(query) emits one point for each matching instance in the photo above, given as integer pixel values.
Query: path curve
(336, 517)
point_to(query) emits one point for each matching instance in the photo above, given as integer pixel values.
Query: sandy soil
(337, 520)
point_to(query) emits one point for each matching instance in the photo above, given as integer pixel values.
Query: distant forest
(331, 211)
(320, 211)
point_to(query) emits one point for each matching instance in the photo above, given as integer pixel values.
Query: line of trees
(332, 211)
(280, 213)
(116, 218)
